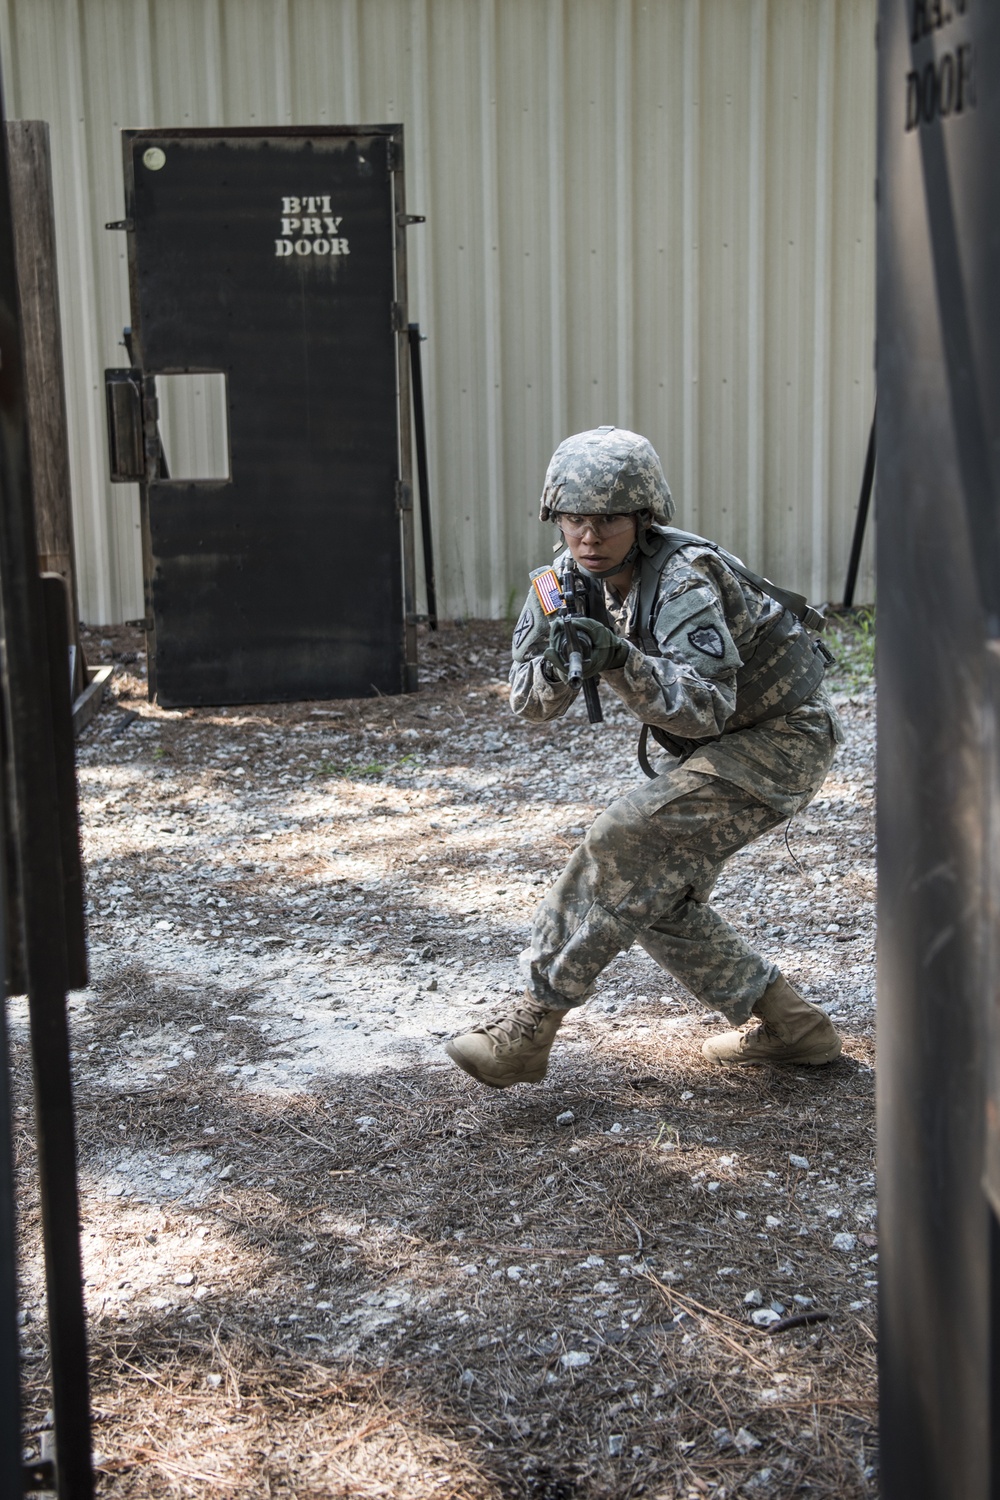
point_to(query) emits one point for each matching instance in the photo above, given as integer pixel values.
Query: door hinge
(145, 624)
(394, 155)
(403, 219)
(127, 224)
(404, 497)
(416, 619)
(398, 317)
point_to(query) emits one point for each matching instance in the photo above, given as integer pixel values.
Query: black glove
(600, 648)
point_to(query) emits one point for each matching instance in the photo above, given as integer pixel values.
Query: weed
(352, 772)
(851, 638)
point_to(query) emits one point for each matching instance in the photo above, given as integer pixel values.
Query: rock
(575, 1359)
(753, 1299)
(845, 1241)
(431, 986)
(184, 1279)
(226, 1174)
(616, 1443)
(745, 1441)
(801, 1162)
(722, 1438)
(760, 1481)
(566, 1118)
(764, 1317)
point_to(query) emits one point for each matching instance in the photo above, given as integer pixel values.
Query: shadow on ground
(407, 1285)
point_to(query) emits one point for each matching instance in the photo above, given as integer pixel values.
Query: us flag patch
(548, 591)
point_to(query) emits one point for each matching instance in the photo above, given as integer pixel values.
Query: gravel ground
(322, 1262)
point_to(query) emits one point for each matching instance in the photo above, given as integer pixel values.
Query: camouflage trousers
(644, 873)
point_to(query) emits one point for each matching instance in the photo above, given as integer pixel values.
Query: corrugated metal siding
(659, 214)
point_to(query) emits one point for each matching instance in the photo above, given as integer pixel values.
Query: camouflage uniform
(647, 866)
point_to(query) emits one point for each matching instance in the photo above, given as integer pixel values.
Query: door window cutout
(194, 425)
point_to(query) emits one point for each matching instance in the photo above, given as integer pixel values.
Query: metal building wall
(652, 212)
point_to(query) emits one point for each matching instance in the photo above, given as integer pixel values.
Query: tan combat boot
(512, 1048)
(791, 1030)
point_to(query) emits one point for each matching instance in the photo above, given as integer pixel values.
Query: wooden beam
(30, 167)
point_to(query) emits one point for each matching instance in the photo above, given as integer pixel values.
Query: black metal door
(939, 715)
(276, 257)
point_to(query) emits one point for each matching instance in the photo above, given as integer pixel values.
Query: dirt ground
(322, 1262)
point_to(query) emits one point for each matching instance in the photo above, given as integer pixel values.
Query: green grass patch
(851, 638)
(351, 771)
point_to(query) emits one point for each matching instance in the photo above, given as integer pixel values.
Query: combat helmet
(606, 471)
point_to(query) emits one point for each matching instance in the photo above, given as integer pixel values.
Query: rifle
(575, 596)
(564, 599)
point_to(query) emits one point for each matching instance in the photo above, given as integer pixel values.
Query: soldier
(728, 680)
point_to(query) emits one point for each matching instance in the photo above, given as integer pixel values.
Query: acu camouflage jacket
(694, 671)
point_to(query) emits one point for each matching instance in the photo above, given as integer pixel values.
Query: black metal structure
(275, 257)
(423, 481)
(939, 747)
(41, 926)
(861, 519)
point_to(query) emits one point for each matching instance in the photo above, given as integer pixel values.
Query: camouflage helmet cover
(605, 472)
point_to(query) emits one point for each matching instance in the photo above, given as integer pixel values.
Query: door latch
(126, 433)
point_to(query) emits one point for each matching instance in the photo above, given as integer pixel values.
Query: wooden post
(30, 167)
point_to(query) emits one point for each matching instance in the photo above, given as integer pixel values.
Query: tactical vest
(784, 666)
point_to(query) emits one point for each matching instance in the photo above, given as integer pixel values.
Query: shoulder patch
(707, 639)
(524, 627)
